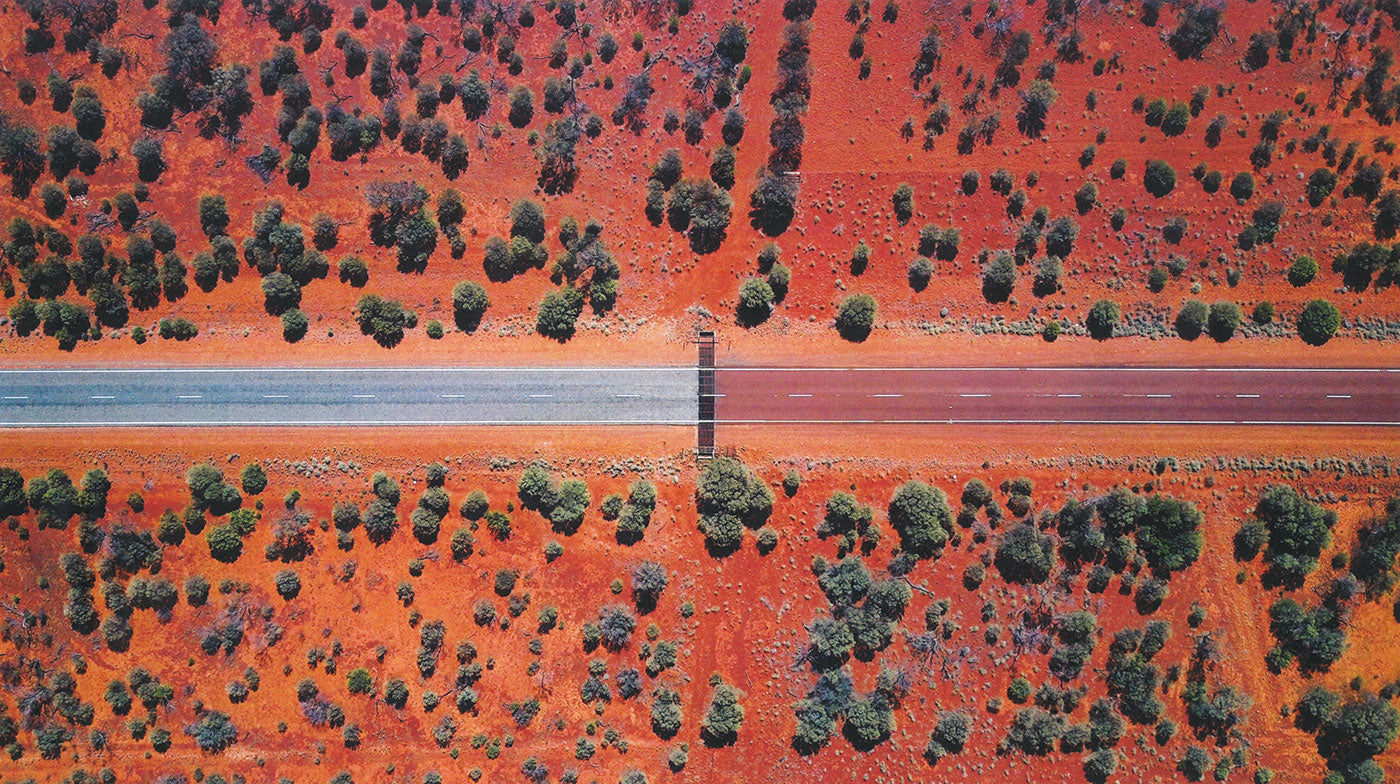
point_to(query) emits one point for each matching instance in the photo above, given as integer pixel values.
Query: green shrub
(1242, 186)
(856, 317)
(253, 478)
(903, 201)
(294, 325)
(558, 313)
(755, 301)
(1102, 318)
(728, 498)
(724, 717)
(384, 319)
(999, 278)
(1191, 319)
(469, 304)
(1318, 322)
(1224, 320)
(1159, 178)
(1302, 271)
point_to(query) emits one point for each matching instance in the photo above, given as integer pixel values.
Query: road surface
(1195, 396)
(669, 396)
(348, 396)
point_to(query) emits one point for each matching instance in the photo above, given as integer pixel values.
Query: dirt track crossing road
(75, 397)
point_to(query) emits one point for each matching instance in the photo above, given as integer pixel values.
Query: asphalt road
(668, 395)
(348, 396)
(1196, 396)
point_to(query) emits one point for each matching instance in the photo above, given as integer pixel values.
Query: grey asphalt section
(348, 396)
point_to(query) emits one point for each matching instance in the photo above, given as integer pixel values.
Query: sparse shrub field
(364, 610)
(226, 179)
(449, 181)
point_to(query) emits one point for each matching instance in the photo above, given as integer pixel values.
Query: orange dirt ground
(750, 607)
(854, 157)
(751, 610)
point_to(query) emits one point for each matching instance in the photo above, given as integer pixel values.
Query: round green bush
(856, 317)
(294, 325)
(1318, 322)
(1302, 271)
(1102, 318)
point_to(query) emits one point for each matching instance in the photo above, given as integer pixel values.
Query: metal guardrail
(705, 435)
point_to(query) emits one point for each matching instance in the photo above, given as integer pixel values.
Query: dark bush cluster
(729, 498)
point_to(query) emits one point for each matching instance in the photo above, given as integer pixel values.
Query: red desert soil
(751, 608)
(853, 158)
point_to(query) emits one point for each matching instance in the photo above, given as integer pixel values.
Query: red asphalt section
(1058, 395)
